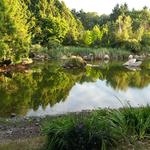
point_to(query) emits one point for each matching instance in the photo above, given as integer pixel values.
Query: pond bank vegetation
(100, 129)
(124, 128)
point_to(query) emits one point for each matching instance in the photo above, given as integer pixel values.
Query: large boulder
(133, 63)
(106, 57)
(75, 62)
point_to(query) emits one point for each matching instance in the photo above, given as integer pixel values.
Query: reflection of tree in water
(53, 87)
(118, 77)
(16, 93)
(51, 84)
(30, 90)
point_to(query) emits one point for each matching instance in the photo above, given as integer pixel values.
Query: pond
(48, 89)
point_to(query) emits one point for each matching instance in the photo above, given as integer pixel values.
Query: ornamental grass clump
(98, 130)
(80, 132)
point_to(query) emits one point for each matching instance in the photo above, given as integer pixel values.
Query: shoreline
(26, 130)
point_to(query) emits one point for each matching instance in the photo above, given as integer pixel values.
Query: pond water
(48, 89)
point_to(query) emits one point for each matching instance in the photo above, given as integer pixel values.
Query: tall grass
(101, 129)
(84, 51)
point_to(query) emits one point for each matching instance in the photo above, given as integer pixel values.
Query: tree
(119, 10)
(14, 35)
(123, 28)
(97, 35)
(87, 38)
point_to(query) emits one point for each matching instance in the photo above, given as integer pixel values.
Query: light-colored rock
(89, 57)
(64, 57)
(130, 57)
(133, 68)
(133, 63)
(140, 58)
(73, 57)
(106, 57)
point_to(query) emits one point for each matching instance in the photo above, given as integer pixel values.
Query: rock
(132, 68)
(75, 62)
(130, 62)
(27, 61)
(72, 57)
(130, 57)
(13, 115)
(64, 57)
(89, 57)
(85, 57)
(133, 63)
(37, 124)
(106, 61)
(41, 57)
(106, 57)
(140, 58)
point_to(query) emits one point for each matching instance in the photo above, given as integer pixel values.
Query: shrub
(80, 132)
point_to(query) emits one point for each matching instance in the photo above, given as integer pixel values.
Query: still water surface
(48, 89)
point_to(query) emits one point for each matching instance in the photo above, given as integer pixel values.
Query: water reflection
(49, 89)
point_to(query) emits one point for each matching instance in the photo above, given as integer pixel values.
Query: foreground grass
(101, 129)
(36, 143)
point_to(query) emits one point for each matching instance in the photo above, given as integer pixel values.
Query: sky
(104, 6)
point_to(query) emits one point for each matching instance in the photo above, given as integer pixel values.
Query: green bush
(79, 133)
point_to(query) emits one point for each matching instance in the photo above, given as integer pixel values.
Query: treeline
(122, 28)
(50, 23)
(27, 22)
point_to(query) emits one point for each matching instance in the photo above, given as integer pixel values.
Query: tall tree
(14, 36)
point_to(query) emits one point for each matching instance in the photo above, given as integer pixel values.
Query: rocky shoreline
(19, 128)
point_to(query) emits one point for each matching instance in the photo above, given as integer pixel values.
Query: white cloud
(94, 95)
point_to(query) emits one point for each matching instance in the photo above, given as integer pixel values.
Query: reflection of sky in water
(94, 95)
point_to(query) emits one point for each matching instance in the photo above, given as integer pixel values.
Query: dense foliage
(50, 23)
(122, 28)
(14, 30)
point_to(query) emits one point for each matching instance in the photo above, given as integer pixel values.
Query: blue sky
(104, 6)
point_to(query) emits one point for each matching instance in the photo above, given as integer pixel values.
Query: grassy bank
(101, 129)
(98, 53)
